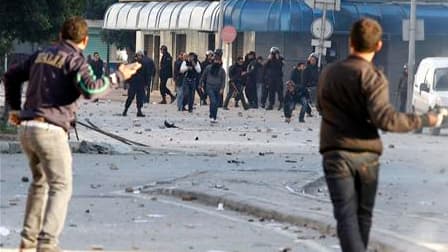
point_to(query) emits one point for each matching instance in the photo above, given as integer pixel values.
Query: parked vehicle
(431, 87)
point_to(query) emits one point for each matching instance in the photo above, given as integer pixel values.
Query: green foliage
(34, 21)
(95, 9)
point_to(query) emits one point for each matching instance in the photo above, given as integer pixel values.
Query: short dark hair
(74, 29)
(365, 35)
(240, 58)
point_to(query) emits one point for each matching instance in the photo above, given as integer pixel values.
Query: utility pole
(221, 22)
(411, 58)
(321, 38)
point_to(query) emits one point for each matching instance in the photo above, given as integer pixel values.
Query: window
(441, 79)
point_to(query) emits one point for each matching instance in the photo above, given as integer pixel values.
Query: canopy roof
(263, 16)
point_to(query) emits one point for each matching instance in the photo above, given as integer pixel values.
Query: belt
(37, 119)
(40, 123)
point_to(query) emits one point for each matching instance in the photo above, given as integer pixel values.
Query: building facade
(261, 24)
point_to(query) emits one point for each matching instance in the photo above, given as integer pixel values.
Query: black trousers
(251, 93)
(352, 180)
(236, 90)
(163, 88)
(136, 90)
(275, 87)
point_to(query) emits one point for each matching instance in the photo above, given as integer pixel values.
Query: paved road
(102, 215)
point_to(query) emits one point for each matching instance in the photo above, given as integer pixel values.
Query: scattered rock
(189, 198)
(113, 167)
(290, 161)
(274, 136)
(196, 138)
(285, 250)
(250, 220)
(87, 211)
(73, 225)
(97, 247)
(4, 231)
(235, 162)
(261, 154)
(229, 153)
(391, 146)
(25, 179)
(95, 186)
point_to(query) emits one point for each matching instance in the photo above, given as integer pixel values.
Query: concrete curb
(380, 240)
(14, 147)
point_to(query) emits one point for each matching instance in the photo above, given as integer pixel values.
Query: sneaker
(213, 120)
(301, 120)
(225, 108)
(162, 101)
(140, 114)
(27, 246)
(270, 107)
(124, 113)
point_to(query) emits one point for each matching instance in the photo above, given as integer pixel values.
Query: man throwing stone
(353, 97)
(57, 77)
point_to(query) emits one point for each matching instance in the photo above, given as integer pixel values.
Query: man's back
(353, 98)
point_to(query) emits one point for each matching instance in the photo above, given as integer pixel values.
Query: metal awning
(265, 16)
(155, 16)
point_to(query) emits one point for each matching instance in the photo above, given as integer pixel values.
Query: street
(249, 155)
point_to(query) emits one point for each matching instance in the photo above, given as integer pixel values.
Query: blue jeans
(189, 88)
(306, 108)
(180, 97)
(352, 180)
(288, 108)
(214, 95)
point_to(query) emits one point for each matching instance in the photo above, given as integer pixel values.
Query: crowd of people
(253, 82)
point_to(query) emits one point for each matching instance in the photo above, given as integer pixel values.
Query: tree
(95, 9)
(36, 21)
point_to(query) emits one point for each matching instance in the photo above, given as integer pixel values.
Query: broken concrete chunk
(25, 179)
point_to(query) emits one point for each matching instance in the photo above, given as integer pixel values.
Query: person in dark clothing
(165, 72)
(353, 98)
(297, 74)
(302, 91)
(137, 86)
(258, 72)
(236, 75)
(97, 65)
(290, 100)
(150, 71)
(57, 76)
(403, 89)
(251, 80)
(209, 56)
(213, 81)
(311, 77)
(178, 80)
(191, 68)
(273, 77)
